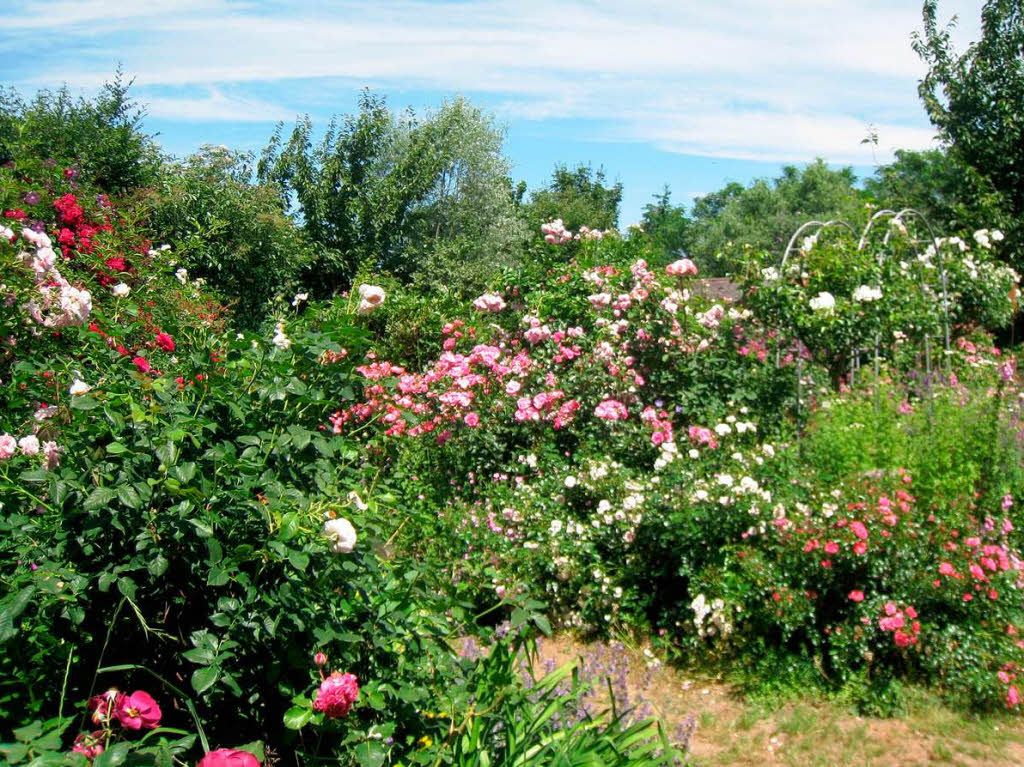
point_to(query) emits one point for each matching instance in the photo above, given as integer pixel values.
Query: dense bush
(230, 232)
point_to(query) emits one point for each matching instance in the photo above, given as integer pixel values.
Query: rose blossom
(29, 445)
(342, 535)
(611, 410)
(228, 757)
(79, 387)
(336, 695)
(489, 302)
(138, 711)
(8, 446)
(681, 268)
(372, 297)
(89, 745)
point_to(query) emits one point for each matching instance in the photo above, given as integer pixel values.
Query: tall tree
(976, 99)
(667, 225)
(580, 197)
(387, 192)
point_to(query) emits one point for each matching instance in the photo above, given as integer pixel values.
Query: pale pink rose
(29, 445)
(681, 268)
(8, 446)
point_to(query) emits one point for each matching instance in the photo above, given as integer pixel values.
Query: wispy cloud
(734, 78)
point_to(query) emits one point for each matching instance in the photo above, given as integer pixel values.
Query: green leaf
(158, 565)
(127, 495)
(83, 402)
(12, 607)
(299, 560)
(113, 756)
(289, 526)
(296, 718)
(116, 448)
(370, 753)
(204, 678)
(100, 496)
(29, 732)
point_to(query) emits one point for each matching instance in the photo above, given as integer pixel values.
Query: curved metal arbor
(893, 215)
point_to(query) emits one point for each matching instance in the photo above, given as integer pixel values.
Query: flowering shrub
(837, 299)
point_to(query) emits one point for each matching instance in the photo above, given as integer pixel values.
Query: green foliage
(102, 137)
(579, 196)
(952, 195)
(393, 193)
(973, 98)
(230, 232)
(764, 215)
(668, 227)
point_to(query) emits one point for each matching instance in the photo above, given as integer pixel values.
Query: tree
(386, 192)
(580, 197)
(102, 137)
(667, 225)
(765, 214)
(952, 195)
(229, 231)
(976, 99)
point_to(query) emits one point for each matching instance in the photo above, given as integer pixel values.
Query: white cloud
(216, 107)
(734, 78)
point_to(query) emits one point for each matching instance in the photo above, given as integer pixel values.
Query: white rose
(79, 387)
(29, 445)
(120, 290)
(823, 302)
(341, 534)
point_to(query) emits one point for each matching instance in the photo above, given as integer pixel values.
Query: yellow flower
(426, 741)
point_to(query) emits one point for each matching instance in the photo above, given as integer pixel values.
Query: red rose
(165, 342)
(141, 363)
(228, 757)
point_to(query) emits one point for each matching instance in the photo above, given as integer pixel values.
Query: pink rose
(336, 695)
(611, 410)
(138, 711)
(141, 363)
(681, 268)
(228, 757)
(89, 745)
(856, 596)
(8, 446)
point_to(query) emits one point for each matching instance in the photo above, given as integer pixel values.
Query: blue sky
(692, 94)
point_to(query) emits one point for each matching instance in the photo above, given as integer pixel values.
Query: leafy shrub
(231, 233)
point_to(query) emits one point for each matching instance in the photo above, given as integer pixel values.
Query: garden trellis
(811, 230)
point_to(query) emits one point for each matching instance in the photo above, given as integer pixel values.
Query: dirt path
(730, 731)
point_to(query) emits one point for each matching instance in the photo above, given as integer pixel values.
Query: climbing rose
(137, 711)
(611, 410)
(1012, 697)
(141, 363)
(856, 596)
(29, 445)
(489, 302)
(372, 297)
(79, 387)
(336, 695)
(228, 757)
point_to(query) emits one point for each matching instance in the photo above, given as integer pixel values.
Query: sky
(688, 93)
